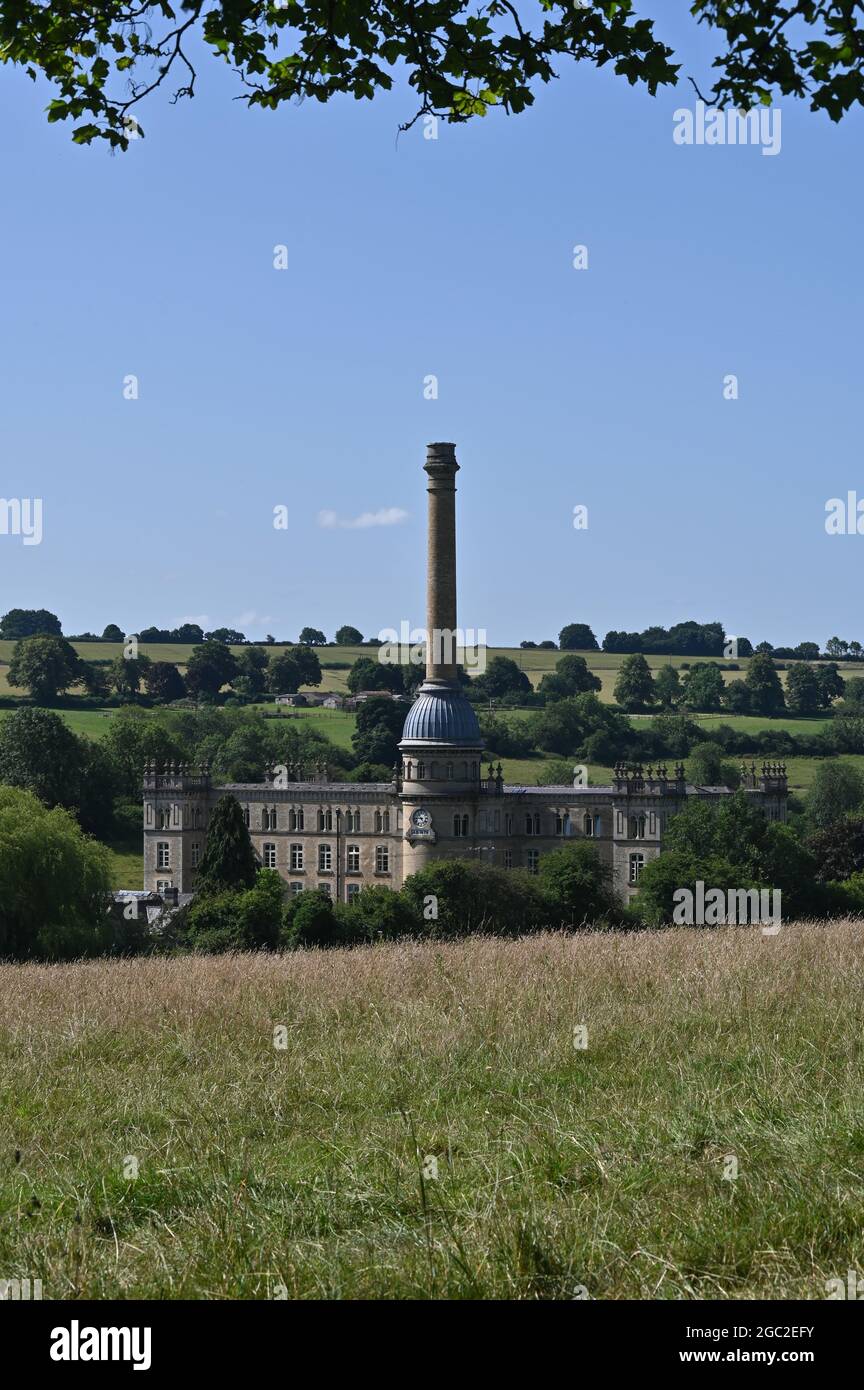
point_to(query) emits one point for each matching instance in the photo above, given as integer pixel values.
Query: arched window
(457, 826)
(637, 864)
(464, 772)
(377, 822)
(637, 827)
(588, 823)
(385, 822)
(325, 819)
(408, 766)
(449, 772)
(464, 825)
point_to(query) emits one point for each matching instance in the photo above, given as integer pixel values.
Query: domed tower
(441, 745)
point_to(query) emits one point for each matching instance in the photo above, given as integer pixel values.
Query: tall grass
(305, 1171)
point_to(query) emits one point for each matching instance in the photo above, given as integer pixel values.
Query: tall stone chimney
(441, 468)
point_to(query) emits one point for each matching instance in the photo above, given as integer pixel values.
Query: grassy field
(301, 1169)
(535, 664)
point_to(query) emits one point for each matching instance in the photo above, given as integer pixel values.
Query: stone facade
(442, 803)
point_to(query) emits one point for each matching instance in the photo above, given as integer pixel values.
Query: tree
(474, 897)
(251, 678)
(707, 768)
(807, 651)
(228, 635)
(312, 637)
(803, 692)
(228, 860)
(763, 683)
(570, 677)
(839, 849)
(703, 687)
(94, 679)
(577, 637)
(311, 919)
(210, 666)
(163, 682)
(231, 920)
(367, 674)
(113, 633)
(127, 672)
(44, 665)
(378, 730)
(736, 697)
(55, 883)
(667, 686)
(187, 632)
(28, 622)
(836, 790)
(308, 665)
(831, 684)
(502, 677)
(348, 636)
(559, 728)
(634, 688)
(134, 738)
(577, 884)
(39, 752)
(460, 61)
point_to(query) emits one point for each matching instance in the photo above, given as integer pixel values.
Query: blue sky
(410, 257)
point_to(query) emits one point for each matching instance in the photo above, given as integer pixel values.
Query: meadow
(430, 1127)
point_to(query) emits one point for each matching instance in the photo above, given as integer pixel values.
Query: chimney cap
(441, 456)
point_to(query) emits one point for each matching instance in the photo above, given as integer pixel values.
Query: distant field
(535, 664)
(549, 1169)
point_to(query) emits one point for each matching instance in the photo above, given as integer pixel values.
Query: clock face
(422, 819)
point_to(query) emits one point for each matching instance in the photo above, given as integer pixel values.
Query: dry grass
(557, 1167)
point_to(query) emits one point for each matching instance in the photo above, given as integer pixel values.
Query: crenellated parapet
(637, 780)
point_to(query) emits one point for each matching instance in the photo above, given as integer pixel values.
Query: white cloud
(387, 516)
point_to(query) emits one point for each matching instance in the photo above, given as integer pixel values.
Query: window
(353, 890)
(421, 771)
(637, 827)
(163, 854)
(163, 820)
(325, 859)
(382, 822)
(269, 815)
(533, 860)
(196, 818)
(532, 824)
(295, 888)
(295, 818)
(497, 822)
(269, 856)
(449, 772)
(162, 884)
(637, 864)
(562, 823)
(325, 888)
(508, 859)
(508, 824)
(246, 816)
(352, 822)
(196, 856)
(296, 858)
(386, 823)
(325, 819)
(353, 859)
(460, 825)
(588, 823)
(382, 859)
